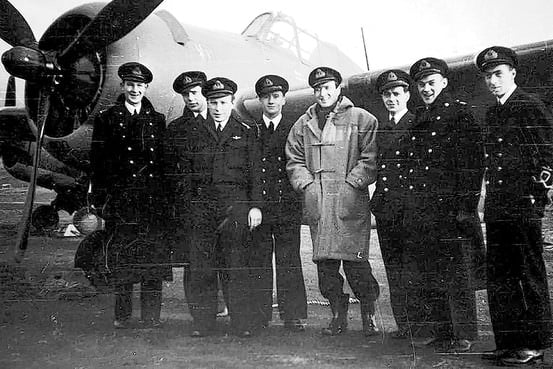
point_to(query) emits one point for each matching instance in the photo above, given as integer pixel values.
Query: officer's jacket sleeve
(539, 136)
(364, 172)
(299, 174)
(99, 160)
(469, 156)
(254, 166)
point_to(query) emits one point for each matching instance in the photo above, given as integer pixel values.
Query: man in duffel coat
(519, 157)
(128, 185)
(390, 194)
(331, 154)
(224, 190)
(281, 207)
(443, 178)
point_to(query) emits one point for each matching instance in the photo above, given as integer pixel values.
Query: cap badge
(319, 74)
(392, 77)
(187, 79)
(218, 85)
(136, 71)
(424, 65)
(491, 54)
(268, 83)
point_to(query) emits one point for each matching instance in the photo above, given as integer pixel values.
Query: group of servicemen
(220, 195)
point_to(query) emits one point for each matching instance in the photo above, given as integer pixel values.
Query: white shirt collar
(222, 124)
(276, 120)
(203, 113)
(508, 94)
(397, 116)
(132, 108)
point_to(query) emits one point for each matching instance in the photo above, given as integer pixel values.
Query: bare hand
(254, 218)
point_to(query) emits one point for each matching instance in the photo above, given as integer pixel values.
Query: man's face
(327, 93)
(272, 103)
(194, 99)
(500, 79)
(430, 87)
(395, 98)
(134, 91)
(220, 107)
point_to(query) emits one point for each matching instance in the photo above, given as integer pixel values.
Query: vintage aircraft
(71, 74)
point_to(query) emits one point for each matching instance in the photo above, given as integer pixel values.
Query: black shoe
(459, 346)
(400, 334)
(369, 327)
(150, 323)
(522, 357)
(339, 322)
(122, 324)
(294, 325)
(245, 334)
(494, 354)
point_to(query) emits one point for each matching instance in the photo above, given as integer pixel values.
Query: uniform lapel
(227, 131)
(210, 127)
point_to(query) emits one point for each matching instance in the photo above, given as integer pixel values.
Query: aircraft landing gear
(45, 218)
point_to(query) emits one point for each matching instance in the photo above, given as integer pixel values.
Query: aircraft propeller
(25, 60)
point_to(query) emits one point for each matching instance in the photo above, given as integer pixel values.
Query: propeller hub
(28, 64)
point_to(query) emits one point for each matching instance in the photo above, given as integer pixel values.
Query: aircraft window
(255, 28)
(281, 30)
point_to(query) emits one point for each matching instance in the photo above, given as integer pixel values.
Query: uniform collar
(503, 99)
(275, 120)
(222, 124)
(203, 113)
(397, 116)
(132, 108)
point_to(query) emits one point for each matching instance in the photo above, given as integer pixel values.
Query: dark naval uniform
(177, 146)
(387, 206)
(519, 155)
(223, 188)
(280, 229)
(388, 200)
(176, 152)
(518, 145)
(444, 176)
(128, 183)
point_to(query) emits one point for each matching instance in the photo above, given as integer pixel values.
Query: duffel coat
(333, 168)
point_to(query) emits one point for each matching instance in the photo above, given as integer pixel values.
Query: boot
(339, 322)
(367, 317)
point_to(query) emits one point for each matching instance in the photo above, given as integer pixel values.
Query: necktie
(219, 128)
(392, 120)
(134, 112)
(271, 127)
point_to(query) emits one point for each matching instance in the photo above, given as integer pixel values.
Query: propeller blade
(25, 224)
(14, 29)
(112, 23)
(10, 92)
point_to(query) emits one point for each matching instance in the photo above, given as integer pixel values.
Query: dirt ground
(51, 318)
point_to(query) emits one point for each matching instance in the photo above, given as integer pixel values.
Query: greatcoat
(128, 184)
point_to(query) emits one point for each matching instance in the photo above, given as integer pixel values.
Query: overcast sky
(397, 32)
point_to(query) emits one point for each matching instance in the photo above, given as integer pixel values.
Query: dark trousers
(518, 293)
(443, 287)
(391, 236)
(150, 300)
(450, 294)
(284, 241)
(359, 276)
(218, 245)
